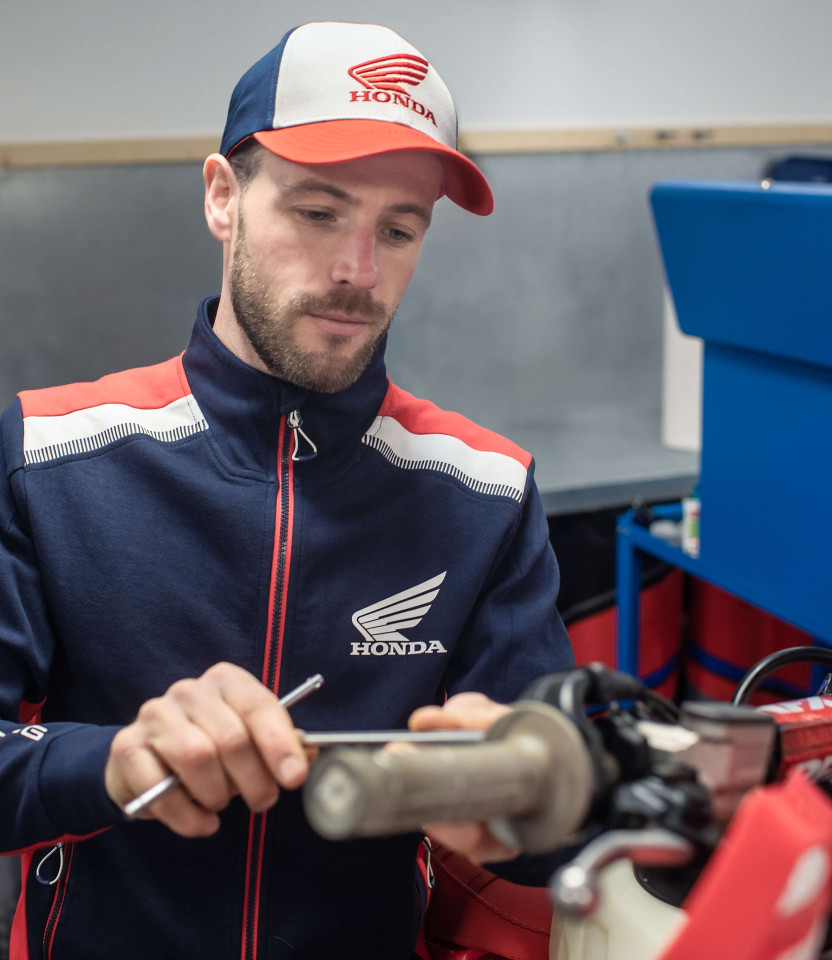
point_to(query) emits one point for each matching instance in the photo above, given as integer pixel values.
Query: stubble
(270, 324)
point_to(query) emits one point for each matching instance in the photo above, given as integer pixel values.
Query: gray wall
(100, 268)
(543, 321)
(98, 69)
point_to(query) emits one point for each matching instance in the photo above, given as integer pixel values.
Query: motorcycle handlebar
(531, 779)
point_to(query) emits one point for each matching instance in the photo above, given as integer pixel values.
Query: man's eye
(399, 236)
(315, 216)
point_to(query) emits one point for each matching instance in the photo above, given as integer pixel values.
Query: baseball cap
(331, 92)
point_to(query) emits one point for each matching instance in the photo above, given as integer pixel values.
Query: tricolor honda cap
(331, 92)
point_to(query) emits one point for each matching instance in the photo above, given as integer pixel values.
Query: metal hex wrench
(376, 738)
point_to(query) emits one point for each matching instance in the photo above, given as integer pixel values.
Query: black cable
(660, 705)
(774, 661)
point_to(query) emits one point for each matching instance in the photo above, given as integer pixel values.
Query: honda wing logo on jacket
(381, 623)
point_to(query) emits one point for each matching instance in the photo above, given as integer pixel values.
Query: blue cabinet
(750, 269)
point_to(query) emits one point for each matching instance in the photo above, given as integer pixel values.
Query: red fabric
(30, 712)
(452, 953)
(740, 634)
(425, 868)
(721, 625)
(660, 621)
(767, 890)
(19, 944)
(473, 915)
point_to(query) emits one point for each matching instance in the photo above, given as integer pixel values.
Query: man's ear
(221, 195)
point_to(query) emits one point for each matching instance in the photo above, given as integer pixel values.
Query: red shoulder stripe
(422, 416)
(146, 388)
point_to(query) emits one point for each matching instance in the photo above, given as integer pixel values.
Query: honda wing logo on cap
(385, 80)
(380, 623)
(389, 73)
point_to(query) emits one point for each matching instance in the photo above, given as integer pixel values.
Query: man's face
(321, 257)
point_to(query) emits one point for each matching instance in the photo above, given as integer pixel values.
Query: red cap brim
(335, 141)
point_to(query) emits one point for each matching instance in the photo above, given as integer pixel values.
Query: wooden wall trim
(483, 142)
(97, 152)
(643, 138)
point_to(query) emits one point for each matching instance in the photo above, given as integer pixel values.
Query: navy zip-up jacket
(163, 519)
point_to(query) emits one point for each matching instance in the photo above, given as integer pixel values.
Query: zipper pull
(295, 422)
(59, 849)
(430, 876)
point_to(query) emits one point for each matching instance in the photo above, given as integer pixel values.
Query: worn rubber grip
(530, 779)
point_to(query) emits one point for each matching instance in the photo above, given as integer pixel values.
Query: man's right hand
(465, 711)
(222, 734)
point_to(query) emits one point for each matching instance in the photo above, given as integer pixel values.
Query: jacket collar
(244, 406)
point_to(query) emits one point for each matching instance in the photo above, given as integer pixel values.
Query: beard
(270, 324)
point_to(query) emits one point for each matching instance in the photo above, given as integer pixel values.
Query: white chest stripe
(47, 438)
(486, 472)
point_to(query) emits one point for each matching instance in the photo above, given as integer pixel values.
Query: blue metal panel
(766, 477)
(631, 541)
(750, 266)
(627, 592)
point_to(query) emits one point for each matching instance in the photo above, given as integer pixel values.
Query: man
(263, 508)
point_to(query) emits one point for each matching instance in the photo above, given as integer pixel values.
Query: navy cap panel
(249, 112)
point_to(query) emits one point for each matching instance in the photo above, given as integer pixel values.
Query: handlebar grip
(531, 779)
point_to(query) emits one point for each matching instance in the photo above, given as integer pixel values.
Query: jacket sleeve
(51, 775)
(515, 633)
(515, 636)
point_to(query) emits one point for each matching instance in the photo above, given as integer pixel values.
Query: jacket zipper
(271, 665)
(60, 882)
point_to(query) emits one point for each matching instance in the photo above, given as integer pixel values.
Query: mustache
(354, 303)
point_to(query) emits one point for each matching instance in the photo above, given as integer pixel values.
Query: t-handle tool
(143, 801)
(375, 738)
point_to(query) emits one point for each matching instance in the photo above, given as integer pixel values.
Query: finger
(432, 718)
(179, 812)
(399, 747)
(133, 768)
(185, 746)
(473, 711)
(475, 840)
(269, 726)
(232, 750)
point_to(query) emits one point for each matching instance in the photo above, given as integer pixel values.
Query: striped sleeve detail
(48, 438)
(82, 418)
(483, 461)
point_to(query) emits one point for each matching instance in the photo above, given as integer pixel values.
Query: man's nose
(356, 262)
